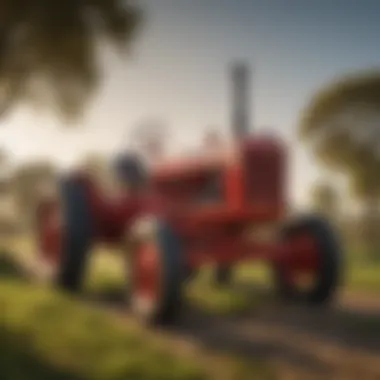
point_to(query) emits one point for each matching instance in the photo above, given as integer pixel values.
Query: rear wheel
(157, 273)
(64, 236)
(312, 271)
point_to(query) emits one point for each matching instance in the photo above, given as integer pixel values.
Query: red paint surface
(146, 272)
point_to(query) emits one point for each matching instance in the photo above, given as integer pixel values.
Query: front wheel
(156, 273)
(312, 269)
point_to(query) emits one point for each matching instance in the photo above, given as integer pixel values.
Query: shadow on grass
(209, 310)
(42, 331)
(10, 267)
(17, 362)
(227, 321)
(211, 318)
(241, 334)
(340, 324)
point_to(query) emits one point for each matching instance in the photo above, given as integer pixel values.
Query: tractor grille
(264, 177)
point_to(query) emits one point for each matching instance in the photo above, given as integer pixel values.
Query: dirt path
(342, 342)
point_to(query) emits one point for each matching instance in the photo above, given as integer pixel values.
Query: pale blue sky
(178, 74)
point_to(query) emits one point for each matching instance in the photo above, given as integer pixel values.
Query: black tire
(172, 275)
(222, 275)
(77, 237)
(330, 262)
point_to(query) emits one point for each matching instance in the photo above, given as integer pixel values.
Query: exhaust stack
(241, 99)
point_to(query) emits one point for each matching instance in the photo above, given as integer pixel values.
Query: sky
(177, 73)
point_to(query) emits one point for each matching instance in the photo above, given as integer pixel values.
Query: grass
(45, 335)
(106, 273)
(40, 326)
(363, 276)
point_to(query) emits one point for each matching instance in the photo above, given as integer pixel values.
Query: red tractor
(176, 217)
(220, 208)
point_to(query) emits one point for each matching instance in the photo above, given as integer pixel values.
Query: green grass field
(49, 336)
(45, 335)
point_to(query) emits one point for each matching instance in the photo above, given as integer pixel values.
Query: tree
(325, 200)
(342, 126)
(26, 183)
(4, 175)
(48, 49)
(7, 220)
